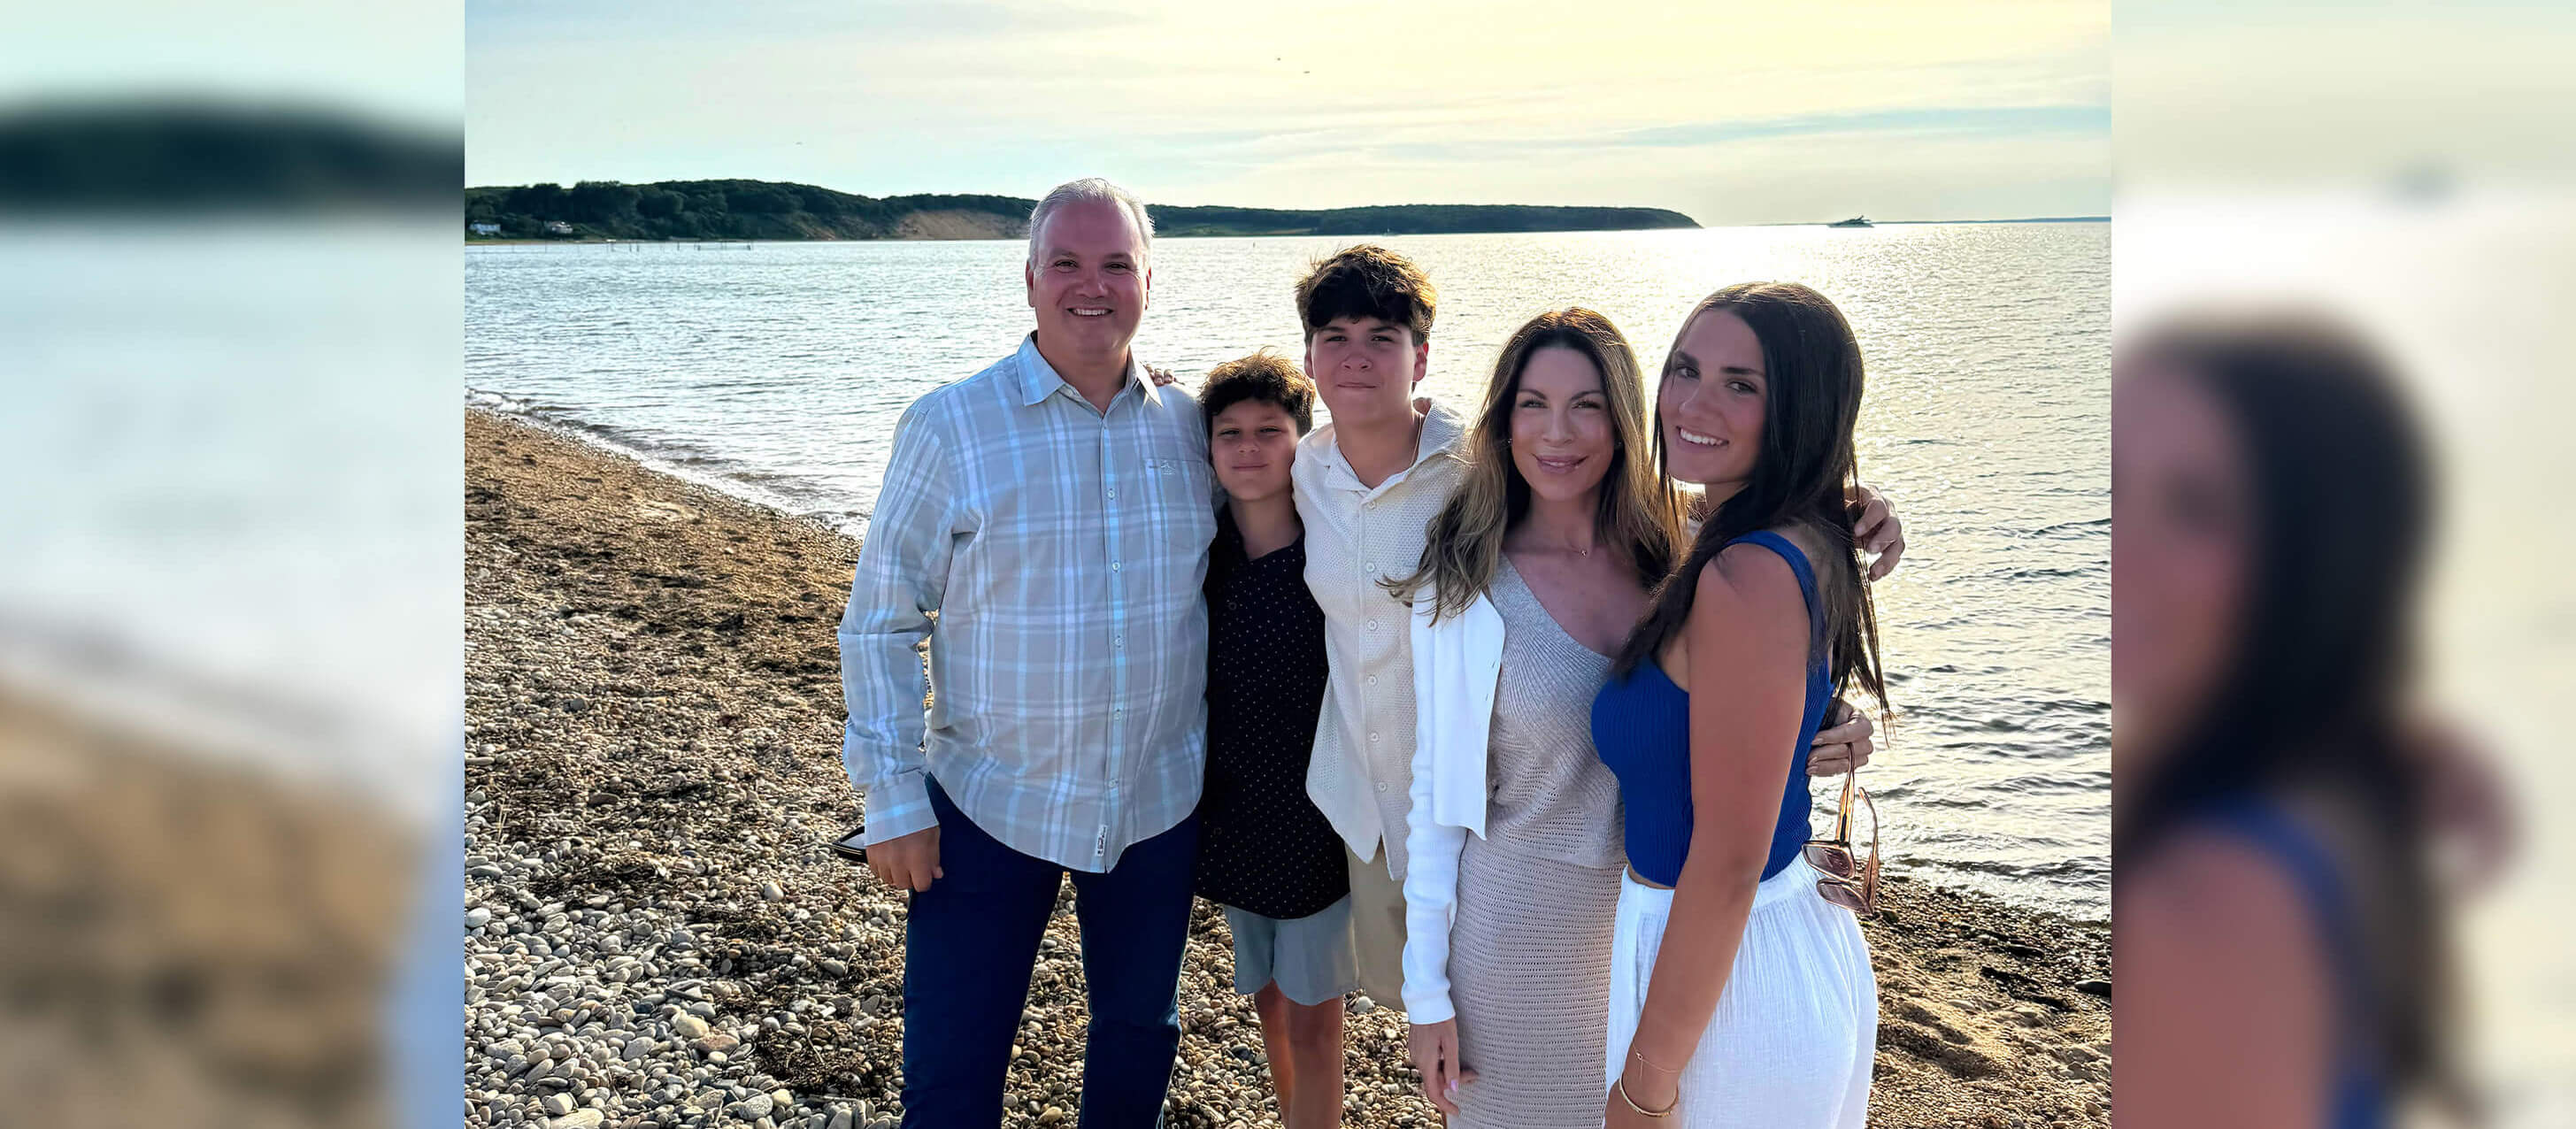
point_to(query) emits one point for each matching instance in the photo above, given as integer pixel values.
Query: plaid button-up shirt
(1062, 548)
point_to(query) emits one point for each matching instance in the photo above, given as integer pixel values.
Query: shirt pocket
(1184, 486)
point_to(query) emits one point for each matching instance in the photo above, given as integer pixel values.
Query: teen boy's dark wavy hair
(1367, 281)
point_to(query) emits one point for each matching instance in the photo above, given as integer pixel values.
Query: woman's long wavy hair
(1638, 515)
(1800, 478)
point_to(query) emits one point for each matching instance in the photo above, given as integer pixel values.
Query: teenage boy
(1366, 486)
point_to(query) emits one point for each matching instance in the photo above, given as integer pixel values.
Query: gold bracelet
(1650, 1063)
(1621, 1087)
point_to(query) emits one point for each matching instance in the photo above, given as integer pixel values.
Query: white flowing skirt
(1795, 1033)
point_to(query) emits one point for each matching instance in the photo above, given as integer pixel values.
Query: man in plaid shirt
(1045, 525)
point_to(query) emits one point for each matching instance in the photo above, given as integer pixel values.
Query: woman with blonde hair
(1533, 572)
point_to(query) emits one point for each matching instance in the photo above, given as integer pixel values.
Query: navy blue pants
(971, 942)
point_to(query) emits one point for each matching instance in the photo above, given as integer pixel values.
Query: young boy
(1265, 853)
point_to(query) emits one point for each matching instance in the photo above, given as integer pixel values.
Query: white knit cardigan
(1457, 663)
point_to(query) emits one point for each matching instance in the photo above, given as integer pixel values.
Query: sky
(1728, 113)
(390, 61)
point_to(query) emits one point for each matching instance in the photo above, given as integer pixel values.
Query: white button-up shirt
(1062, 548)
(1362, 767)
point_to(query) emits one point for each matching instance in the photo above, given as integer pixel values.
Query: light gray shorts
(1311, 958)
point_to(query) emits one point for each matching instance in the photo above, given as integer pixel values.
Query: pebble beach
(657, 933)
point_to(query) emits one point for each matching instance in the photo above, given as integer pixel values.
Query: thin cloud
(1212, 105)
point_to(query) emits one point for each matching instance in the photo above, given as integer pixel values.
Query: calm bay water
(777, 372)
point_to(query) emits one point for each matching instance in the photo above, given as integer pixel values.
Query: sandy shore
(657, 933)
(186, 939)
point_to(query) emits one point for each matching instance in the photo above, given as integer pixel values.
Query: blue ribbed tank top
(1641, 729)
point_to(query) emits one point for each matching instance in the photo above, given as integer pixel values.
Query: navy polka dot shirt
(1263, 846)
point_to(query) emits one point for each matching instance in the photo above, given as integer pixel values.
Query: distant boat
(1855, 221)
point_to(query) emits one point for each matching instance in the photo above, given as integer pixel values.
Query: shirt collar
(1442, 430)
(1228, 553)
(1039, 380)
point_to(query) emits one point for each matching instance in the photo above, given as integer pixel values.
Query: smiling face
(1088, 280)
(1562, 435)
(1365, 369)
(1714, 396)
(1253, 443)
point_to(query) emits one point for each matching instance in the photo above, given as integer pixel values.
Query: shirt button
(1372, 680)
(1113, 566)
(1381, 785)
(1372, 738)
(1372, 625)
(1117, 640)
(1113, 491)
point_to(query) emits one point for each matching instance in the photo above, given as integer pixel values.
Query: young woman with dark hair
(2275, 808)
(1739, 994)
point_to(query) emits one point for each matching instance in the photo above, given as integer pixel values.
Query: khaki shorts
(1377, 928)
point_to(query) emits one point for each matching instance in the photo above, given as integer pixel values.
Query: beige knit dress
(1529, 950)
